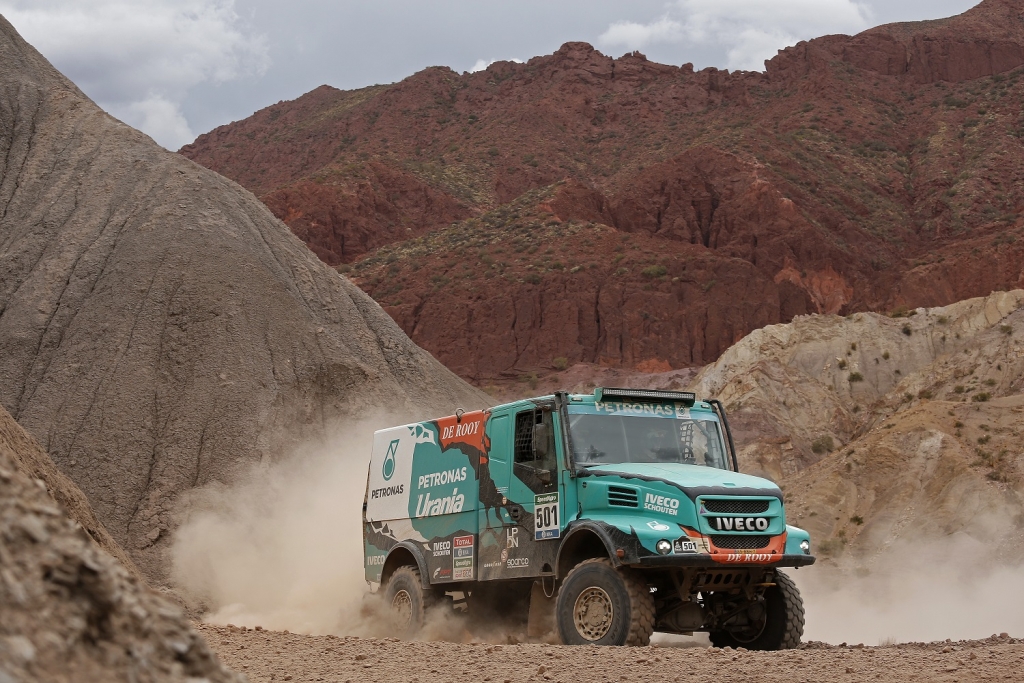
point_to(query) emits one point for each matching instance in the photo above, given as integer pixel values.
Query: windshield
(613, 439)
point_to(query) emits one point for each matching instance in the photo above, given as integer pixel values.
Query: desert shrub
(533, 279)
(959, 389)
(1006, 329)
(842, 365)
(981, 397)
(856, 377)
(907, 331)
(560, 363)
(925, 394)
(823, 444)
(654, 271)
(857, 519)
(885, 355)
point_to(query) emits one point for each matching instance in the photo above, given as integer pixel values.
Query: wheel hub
(401, 608)
(592, 614)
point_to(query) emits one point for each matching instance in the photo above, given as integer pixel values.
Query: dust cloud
(922, 591)
(282, 548)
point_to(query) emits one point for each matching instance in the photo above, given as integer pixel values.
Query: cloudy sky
(178, 68)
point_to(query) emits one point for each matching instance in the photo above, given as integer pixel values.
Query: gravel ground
(275, 656)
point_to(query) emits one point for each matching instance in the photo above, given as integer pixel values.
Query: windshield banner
(663, 409)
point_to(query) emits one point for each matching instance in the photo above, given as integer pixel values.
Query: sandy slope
(275, 656)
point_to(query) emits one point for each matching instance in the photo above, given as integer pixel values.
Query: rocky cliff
(159, 328)
(884, 428)
(860, 172)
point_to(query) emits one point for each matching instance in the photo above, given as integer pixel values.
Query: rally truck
(608, 515)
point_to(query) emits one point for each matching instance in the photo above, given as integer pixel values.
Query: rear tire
(601, 605)
(783, 621)
(406, 601)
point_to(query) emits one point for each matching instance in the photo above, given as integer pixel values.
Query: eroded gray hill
(158, 326)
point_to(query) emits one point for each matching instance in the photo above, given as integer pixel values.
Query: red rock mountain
(618, 211)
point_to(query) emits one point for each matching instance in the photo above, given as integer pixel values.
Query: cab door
(520, 536)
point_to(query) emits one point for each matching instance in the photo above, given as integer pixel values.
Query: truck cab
(616, 513)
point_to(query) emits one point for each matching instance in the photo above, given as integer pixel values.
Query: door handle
(514, 512)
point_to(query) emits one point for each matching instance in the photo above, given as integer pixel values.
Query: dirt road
(274, 656)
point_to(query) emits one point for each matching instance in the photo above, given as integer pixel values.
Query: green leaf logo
(389, 460)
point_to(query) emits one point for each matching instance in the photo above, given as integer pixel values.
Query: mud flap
(541, 621)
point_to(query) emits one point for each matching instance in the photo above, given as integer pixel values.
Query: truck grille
(737, 542)
(736, 507)
(622, 497)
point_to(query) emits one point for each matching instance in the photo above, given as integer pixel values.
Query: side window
(524, 436)
(534, 446)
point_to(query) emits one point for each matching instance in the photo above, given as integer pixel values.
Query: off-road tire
(785, 620)
(632, 607)
(405, 582)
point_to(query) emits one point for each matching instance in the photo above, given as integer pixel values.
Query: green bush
(654, 271)
(981, 397)
(560, 363)
(823, 444)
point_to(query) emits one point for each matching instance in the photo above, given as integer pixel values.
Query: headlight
(664, 547)
(806, 547)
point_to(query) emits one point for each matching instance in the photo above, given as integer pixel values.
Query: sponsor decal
(517, 562)
(462, 558)
(442, 548)
(703, 511)
(388, 469)
(739, 523)
(750, 558)
(512, 537)
(375, 560)
(658, 526)
(441, 478)
(445, 573)
(504, 554)
(662, 409)
(459, 429)
(491, 565)
(662, 504)
(469, 431)
(545, 515)
(684, 545)
(437, 572)
(431, 507)
(388, 491)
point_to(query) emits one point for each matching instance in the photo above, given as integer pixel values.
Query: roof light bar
(688, 398)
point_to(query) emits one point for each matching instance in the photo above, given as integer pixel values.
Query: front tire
(782, 625)
(406, 601)
(601, 605)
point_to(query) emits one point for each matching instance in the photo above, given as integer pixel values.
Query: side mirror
(541, 440)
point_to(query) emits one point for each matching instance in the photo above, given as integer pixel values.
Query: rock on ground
(69, 611)
(159, 328)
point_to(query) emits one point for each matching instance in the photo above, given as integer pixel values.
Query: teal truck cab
(614, 514)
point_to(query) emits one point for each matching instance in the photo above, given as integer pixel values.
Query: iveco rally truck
(610, 515)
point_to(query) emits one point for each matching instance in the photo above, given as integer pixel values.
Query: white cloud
(632, 35)
(138, 58)
(482, 64)
(750, 31)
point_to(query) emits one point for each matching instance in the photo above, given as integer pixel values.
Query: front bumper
(726, 561)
